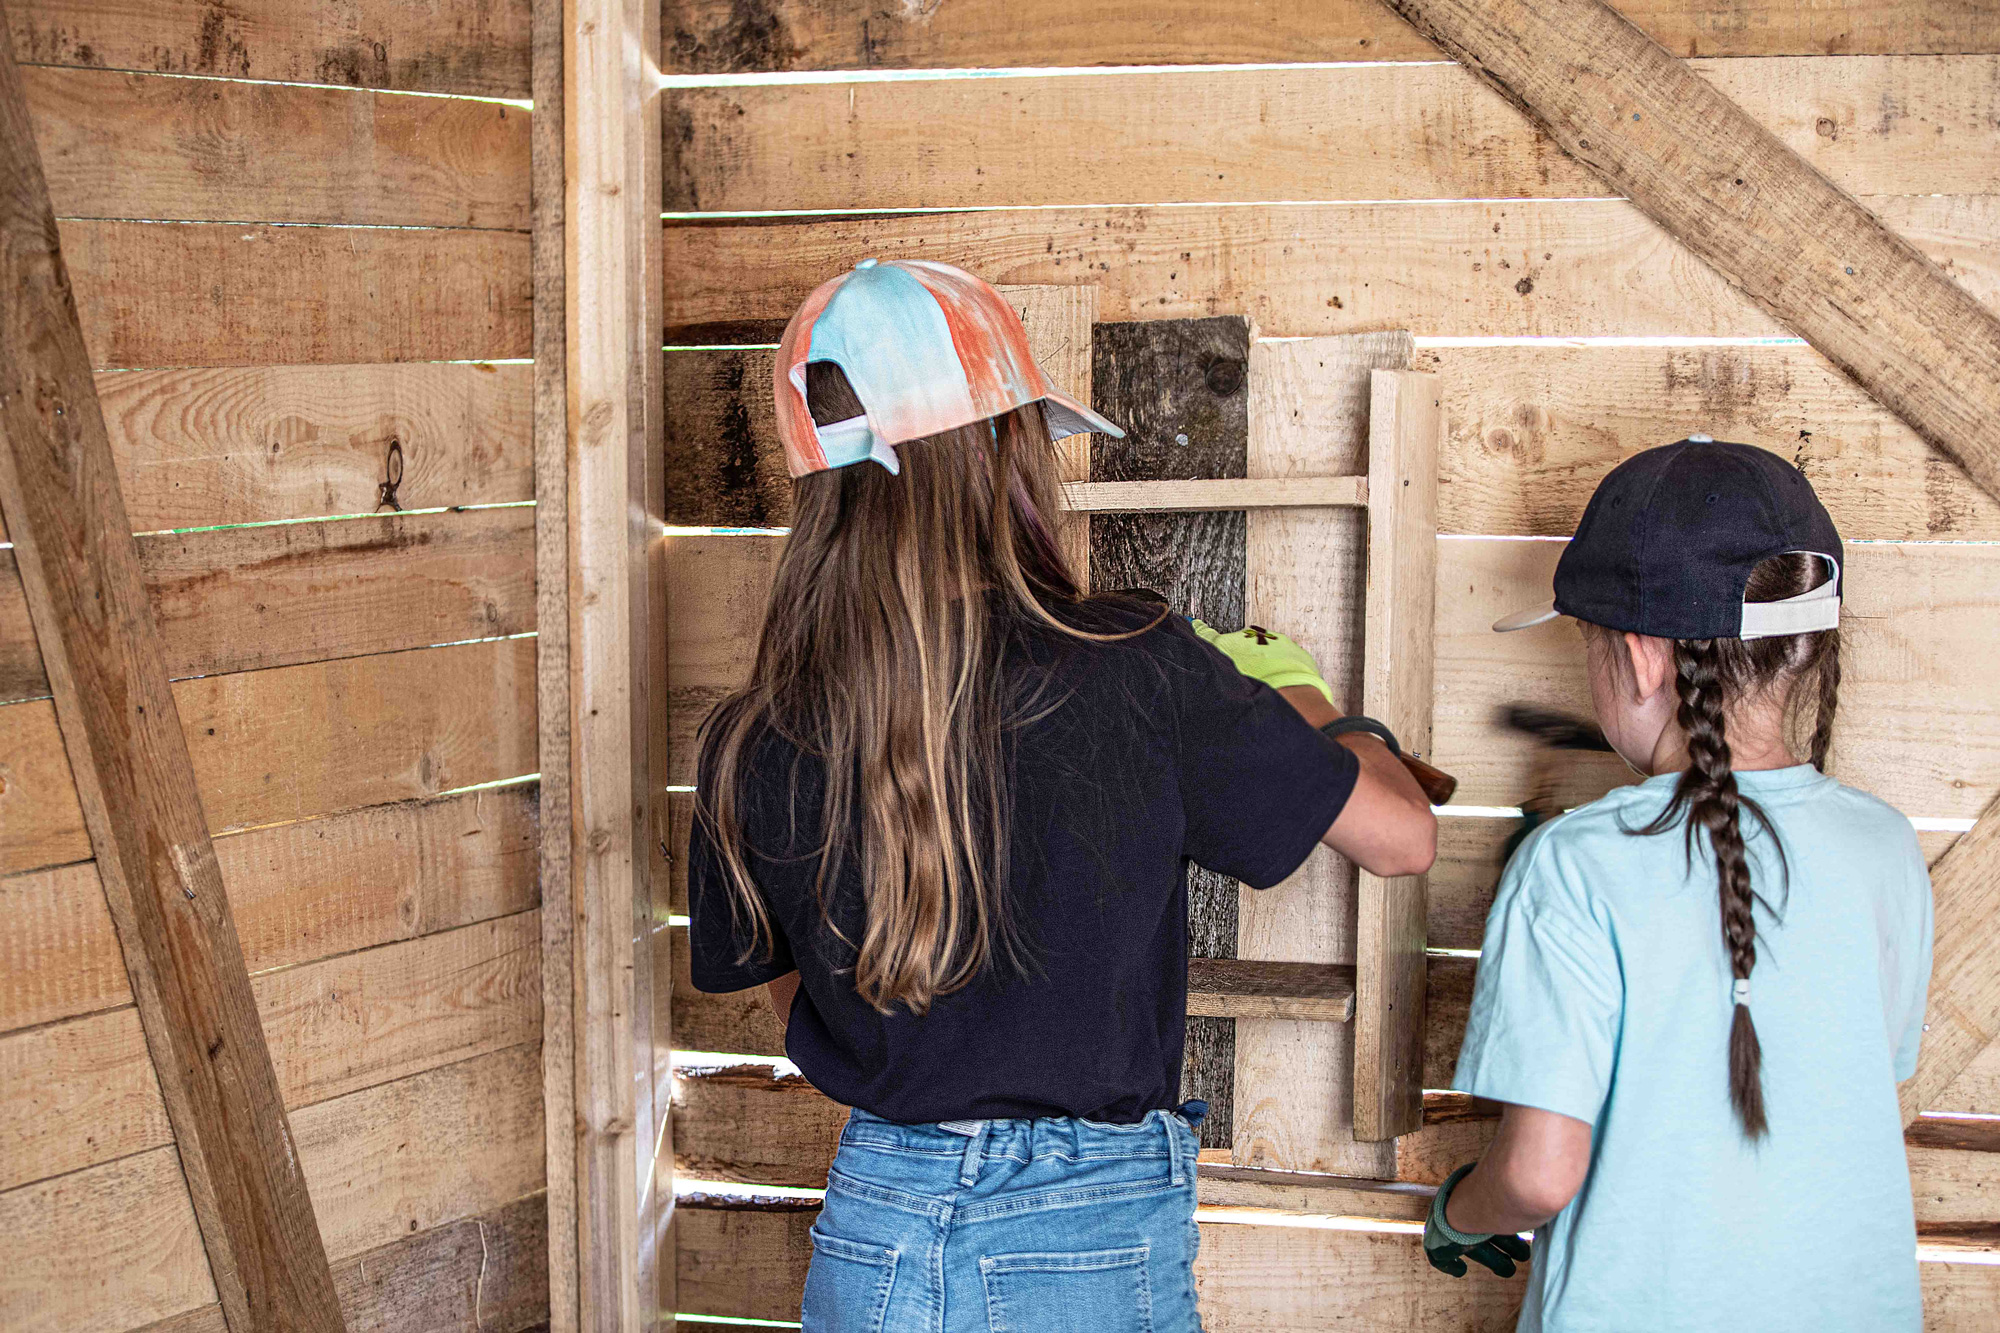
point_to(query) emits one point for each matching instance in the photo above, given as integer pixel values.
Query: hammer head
(1557, 731)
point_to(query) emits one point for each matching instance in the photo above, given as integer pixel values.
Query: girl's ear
(1652, 662)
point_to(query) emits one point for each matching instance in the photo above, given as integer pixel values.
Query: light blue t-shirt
(1604, 994)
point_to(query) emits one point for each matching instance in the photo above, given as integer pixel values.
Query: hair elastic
(1742, 990)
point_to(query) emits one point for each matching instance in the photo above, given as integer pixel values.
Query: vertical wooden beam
(1306, 571)
(1405, 436)
(1734, 194)
(122, 733)
(551, 428)
(613, 376)
(1059, 322)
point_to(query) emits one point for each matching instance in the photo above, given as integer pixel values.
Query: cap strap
(1807, 613)
(854, 441)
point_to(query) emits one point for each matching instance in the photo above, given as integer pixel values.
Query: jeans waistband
(1155, 1135)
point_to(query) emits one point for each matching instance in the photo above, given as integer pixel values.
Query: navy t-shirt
(1160, 752)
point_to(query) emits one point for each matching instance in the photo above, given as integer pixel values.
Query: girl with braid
(1697, 994)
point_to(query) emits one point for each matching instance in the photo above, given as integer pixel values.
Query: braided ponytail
(1707, 793)
(1710, 676)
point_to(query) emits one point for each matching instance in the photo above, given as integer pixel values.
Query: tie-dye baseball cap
(926, 347)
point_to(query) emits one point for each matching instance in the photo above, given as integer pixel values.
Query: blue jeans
(1008, 1226)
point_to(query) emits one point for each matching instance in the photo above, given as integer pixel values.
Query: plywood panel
(83, 1091)
(156, 294)
(1541, 269)
(115, 1246)
(477, 47)
(298, 892)
(704, 36)
(120, 145)
(295, 742)
(247, 598)
(1919, 626)
(1873, 125)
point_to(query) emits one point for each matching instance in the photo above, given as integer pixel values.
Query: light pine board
(295, 742)
(243, 599)
(117, 145)
(1523, 268)
(706, 36)
(1873, 125)
(472, 47)
(83, 1091)
(114, 1246)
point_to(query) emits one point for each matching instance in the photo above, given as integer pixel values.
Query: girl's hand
(1448, 1249)
(1275, 659)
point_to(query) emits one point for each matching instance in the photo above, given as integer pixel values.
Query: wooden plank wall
(1374, 190)
(293, 294)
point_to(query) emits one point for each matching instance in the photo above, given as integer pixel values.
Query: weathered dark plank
(1179, 388)
(134, 779)
(724, 466)
(1246, 988)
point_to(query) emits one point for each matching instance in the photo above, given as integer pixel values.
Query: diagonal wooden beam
(1806, 251)
(86, 598)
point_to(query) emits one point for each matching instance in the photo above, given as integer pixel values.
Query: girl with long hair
(1697, 994)
(948, 818)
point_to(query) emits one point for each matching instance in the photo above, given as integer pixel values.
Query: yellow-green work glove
(1275, 659)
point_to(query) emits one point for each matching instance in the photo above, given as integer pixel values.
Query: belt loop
(1175, 1153)
(968, 1171)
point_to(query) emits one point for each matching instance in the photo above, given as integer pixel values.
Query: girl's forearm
(1531, 1170)
(1485, 1202)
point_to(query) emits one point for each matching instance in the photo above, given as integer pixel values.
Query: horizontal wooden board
(740, 1023)
(252, 444)
(1527, 269)
(720, 585)
(1919, 626)
(115, 1246)
(241, 599)
(485, 1274)
(1252, 988)
(1225, 493)
(83, 1091)
(710, 36)
(1532, 428)
(156, 294)
(476, 47)
(118, 145)
(298, 892)
(1872, 124)
(295, 742)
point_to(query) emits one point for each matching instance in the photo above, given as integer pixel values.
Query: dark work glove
(1448, 1249)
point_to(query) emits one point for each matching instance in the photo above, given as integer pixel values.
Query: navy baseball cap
(1667, 544)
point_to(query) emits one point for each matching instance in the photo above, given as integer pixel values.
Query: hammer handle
(1438, 785)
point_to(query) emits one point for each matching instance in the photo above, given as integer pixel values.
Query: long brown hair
(1711, 676)
(879, 658)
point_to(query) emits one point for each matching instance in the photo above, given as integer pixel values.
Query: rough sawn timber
(134, 778)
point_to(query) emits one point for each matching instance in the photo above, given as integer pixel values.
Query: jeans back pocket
(847, 1286)
(1102, 1291)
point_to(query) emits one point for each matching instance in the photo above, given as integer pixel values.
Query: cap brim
(1067, 417)
(1537, 615)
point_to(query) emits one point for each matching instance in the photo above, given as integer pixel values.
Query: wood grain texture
(710, 36)
(1382, 131)
(1134, 497)
(1251, 988)
(119, 145)
(721, 583)
(484, 1274)
(134, 778)
(1551, 269)
(1962, 1018)
(83, 1091)
(1309, 403)
(115, 1246)
(247, 598)
(1533, 429)
(1685, 154)
(156, 294)
(299, 891)
(1405, 436)
(1918, 627)
(1179, 390)
(550, 434)
(298, 742)
(474, 47)
(1059, 323)
(612, 379)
